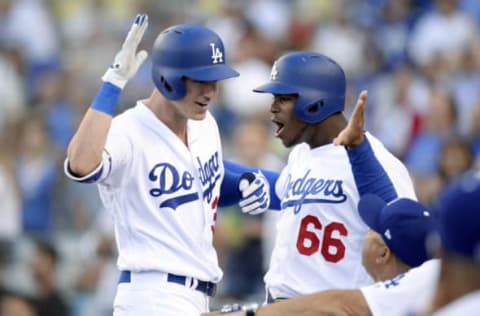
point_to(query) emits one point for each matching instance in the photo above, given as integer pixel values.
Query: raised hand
(352, 135)
(127, 60)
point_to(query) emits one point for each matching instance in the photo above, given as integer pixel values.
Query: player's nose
(209, 88)
(274, 107)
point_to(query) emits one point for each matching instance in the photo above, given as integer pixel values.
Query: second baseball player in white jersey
(406, 292)
(320, 234)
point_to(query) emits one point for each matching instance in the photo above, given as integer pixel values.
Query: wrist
(356, 143)
(111, 76)
(106, 99)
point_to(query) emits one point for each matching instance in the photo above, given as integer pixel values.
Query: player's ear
(384, 255)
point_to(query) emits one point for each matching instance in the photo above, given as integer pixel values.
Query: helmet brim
(276, 88)
(211, 73)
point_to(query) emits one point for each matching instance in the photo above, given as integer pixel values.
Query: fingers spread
(136, 31)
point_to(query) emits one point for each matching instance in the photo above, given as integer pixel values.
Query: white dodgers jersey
(466, 305)
(410, 291)
(163, 195)
(320, 233)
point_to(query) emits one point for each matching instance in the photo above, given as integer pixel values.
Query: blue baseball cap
(459, 217)
(404, 225)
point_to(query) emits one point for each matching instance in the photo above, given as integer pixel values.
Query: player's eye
(284, 98)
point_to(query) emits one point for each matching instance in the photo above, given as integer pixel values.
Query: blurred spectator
(465, 88)
(36, 175)
(11, 89)
(442, 33)
(58, 115)
(270, 17)
(251, 61)
(440, 123)
(96, 284)
(400, 100)
(455, 159)
(391, 37)
(43, 265)
(28, 25)
(342, 41)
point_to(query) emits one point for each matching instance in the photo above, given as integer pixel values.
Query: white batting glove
(255, 191)
(127, 61)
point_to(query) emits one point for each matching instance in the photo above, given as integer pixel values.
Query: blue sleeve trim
(93, 178)
(229, 193)
(272, 177)
(106, 99)
(369, 174)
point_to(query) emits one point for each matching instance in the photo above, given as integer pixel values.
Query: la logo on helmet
(217, 56)
(274, 73)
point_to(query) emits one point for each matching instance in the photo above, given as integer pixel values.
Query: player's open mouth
(201, 104)
(279, 126)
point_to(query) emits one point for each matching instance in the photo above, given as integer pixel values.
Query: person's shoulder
(432, 265)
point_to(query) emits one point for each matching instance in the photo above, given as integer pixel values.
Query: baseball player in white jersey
(159, 170)
(394, 251)
(320, 234)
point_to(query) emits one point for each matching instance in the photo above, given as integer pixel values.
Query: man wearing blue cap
(396, 243)
(458, 290)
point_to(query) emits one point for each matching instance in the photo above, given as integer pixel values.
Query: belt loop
(125, 277)
(194, 284)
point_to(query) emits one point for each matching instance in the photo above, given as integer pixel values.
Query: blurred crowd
(419, 60)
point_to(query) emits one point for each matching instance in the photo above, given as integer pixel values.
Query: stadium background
(419, 59)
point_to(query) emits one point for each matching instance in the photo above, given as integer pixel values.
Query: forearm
(85, 150)
(86, 147)
(334, 302)
(368, 172)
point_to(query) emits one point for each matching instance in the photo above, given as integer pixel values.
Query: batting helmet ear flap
(169, 84)
(318, 110)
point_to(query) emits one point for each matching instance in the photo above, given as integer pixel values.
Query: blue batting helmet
(191, 51)
(318, 81)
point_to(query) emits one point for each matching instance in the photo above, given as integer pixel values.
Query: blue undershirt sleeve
(229, 192)
(369, 174)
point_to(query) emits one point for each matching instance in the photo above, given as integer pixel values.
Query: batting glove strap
(255, 191)
(127, 60)
(249, 309)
